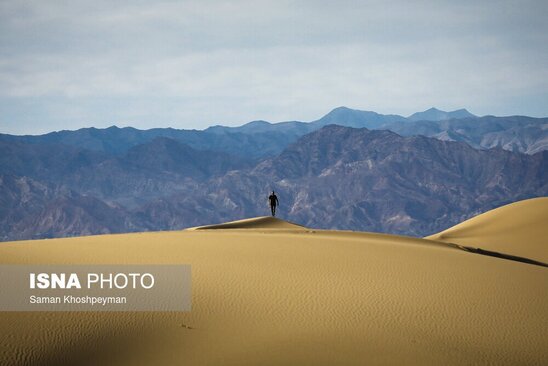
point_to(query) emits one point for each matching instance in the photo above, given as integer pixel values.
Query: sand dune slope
(520, 229)
(293, 297)
(263, 222)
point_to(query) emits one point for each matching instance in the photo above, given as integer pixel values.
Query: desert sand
(518, 229)
(265, 222)
(267, 292)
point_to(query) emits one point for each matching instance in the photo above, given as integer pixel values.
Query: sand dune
(519, 229)
(264, 296)
(263, 222)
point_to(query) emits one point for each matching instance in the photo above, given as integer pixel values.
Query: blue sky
(191, 64)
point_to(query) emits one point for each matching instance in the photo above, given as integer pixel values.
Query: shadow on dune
(501, 255)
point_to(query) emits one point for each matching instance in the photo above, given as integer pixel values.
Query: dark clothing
(273, 199)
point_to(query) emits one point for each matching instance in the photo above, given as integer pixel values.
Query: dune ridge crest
(518, 229)
(262, 222)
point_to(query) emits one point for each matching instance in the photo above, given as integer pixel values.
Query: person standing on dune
(273, 200)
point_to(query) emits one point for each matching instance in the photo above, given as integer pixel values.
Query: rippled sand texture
(294, 296)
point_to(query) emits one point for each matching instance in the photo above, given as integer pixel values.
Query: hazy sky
(190, 64)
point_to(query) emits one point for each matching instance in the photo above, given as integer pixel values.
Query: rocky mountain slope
(335, 177)
(517, 133)
(360, 179)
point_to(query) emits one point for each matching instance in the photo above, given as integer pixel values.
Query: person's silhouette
(273, 199)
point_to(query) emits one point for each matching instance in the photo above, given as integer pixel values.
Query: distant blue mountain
(347, 117)
(260, 139)
(436, 115)
(341, 116)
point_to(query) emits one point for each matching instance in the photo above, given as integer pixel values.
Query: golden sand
(278, 296)
(263, 222)
(520, 229)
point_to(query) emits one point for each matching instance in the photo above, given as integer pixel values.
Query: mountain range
(260, 139)
(94, 181)
(359, 179)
